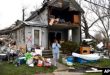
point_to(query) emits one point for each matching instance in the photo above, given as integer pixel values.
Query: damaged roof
(75, 6)
(20, 24)
(29, 23)
(36, 12)
(34, 23)
(71, 4)
(6, 30)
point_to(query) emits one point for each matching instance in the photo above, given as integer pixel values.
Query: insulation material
(51, 21)
(76, 19)
(22, 48)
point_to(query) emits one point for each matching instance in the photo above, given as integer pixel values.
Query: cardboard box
(85, 50)
(22, 48)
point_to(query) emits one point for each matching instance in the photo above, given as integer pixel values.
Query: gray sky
(11, 10)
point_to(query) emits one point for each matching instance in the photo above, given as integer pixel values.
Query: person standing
(55, 49)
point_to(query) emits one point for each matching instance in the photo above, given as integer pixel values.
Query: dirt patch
(44, 74)
(81, 69)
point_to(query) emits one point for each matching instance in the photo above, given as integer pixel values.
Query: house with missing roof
(56, 19)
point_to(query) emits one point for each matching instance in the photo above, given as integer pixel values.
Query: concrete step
(47, 53)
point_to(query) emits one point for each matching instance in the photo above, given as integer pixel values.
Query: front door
(53, 36)
(36, 37)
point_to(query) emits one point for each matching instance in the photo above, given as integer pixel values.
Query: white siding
(44, 41)
(28, 36)
(29, 33)
(42, 17)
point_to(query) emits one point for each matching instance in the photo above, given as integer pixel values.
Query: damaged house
(57, 19)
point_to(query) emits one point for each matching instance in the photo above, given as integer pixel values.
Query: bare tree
(100, 12)
(86, 22)
(98, 37)
(100, 18)
(101, 8)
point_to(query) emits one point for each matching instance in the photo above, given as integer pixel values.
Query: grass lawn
(103, 63)
(11, 69)
(93, 74)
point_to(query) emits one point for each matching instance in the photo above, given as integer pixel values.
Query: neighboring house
(53, 21)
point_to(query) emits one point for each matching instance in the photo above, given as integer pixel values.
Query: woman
(55, 49)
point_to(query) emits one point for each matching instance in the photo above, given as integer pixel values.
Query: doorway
(53, 36)
(36, 37)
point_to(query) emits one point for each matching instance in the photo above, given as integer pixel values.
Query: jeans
(55, 58)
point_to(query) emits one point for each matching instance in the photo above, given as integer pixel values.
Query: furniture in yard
(85, 50)
(2, 56)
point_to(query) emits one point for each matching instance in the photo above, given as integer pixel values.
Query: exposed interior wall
(19, 36)
(56, 16)
(44, 17)
(14, 35)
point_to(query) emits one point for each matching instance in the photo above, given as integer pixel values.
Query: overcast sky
(11, 10)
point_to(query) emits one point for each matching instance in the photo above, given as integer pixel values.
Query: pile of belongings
(37, 60)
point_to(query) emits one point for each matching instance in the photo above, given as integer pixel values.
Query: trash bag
(29, 61)
(40, 63)
(69, 61)
(47, 62)
(28, 56)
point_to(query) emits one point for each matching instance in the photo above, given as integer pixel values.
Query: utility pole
(23, 14)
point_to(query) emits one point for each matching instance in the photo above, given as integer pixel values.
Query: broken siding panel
(42, 17)
(23, 34)
(17, 40)
(14, 35)
(22, 37)
(19, 36)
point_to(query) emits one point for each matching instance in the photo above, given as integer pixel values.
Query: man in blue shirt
(55, 49)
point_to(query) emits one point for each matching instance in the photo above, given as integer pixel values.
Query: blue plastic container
(70, 59)
(81, 61)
